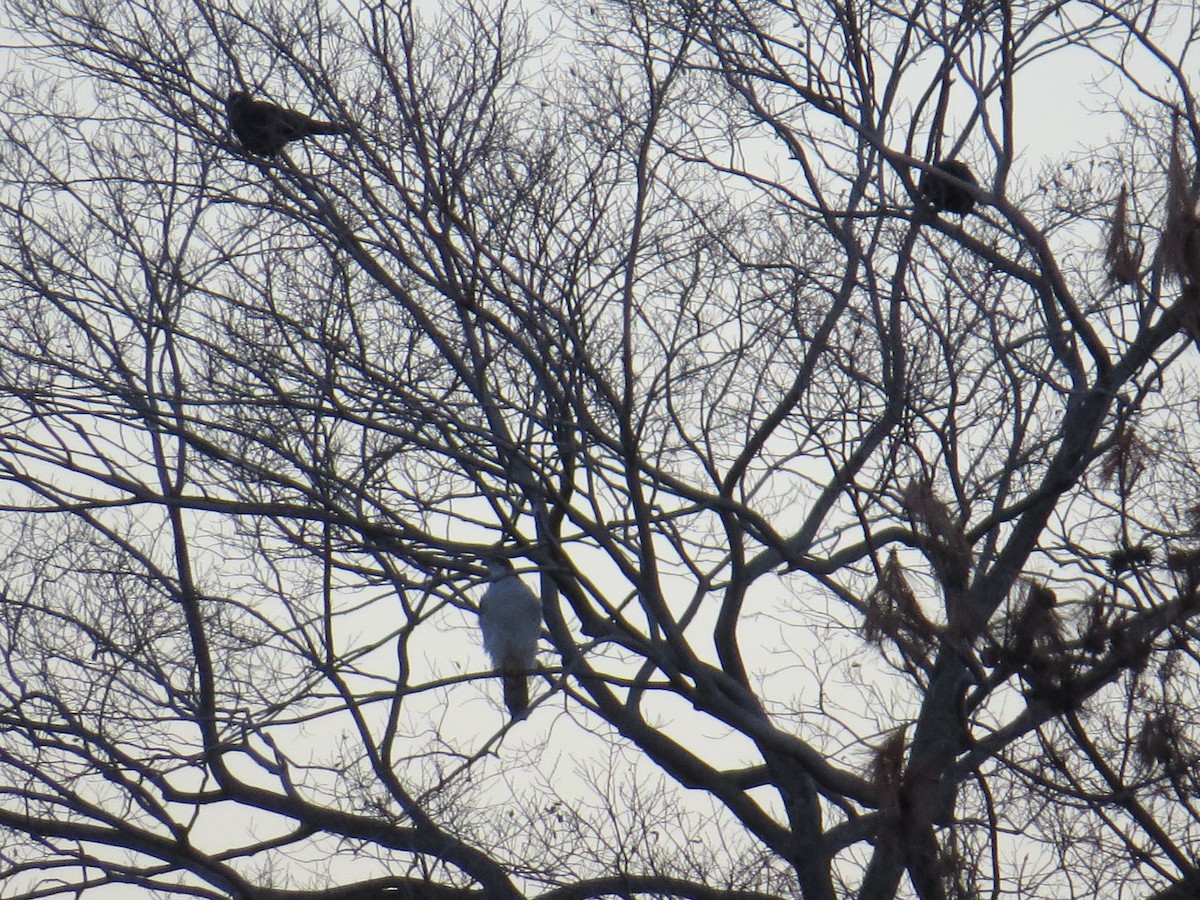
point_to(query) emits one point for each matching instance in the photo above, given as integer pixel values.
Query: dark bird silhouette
(942, 193)
(263, 128)
(510, 616)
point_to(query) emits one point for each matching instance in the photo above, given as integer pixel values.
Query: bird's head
(498, 566)
(957, 168)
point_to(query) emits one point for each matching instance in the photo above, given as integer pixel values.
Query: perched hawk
(510, 617)
(263, 128)
(943, 194)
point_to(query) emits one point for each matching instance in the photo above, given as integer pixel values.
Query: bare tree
(867, 537)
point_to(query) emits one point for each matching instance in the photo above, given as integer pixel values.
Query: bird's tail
(516, 693)
(318, 127)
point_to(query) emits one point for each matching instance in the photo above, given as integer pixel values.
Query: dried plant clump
(1162, 744)
(1039, 608)
(1126, 461)
(1028, 632)
(948, 551)
(1193, 517)
(887, 763)
(892, 610)
(1180, 247)
(1030, 642)
(1123, 254)
(1127, 558)
(1185, 561)
(1097, 624)
(955, 873)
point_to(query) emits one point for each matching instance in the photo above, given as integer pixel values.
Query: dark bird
(510, 617)
(942, 193)
(263, 128)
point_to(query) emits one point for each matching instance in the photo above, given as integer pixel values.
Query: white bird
(510, 617)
